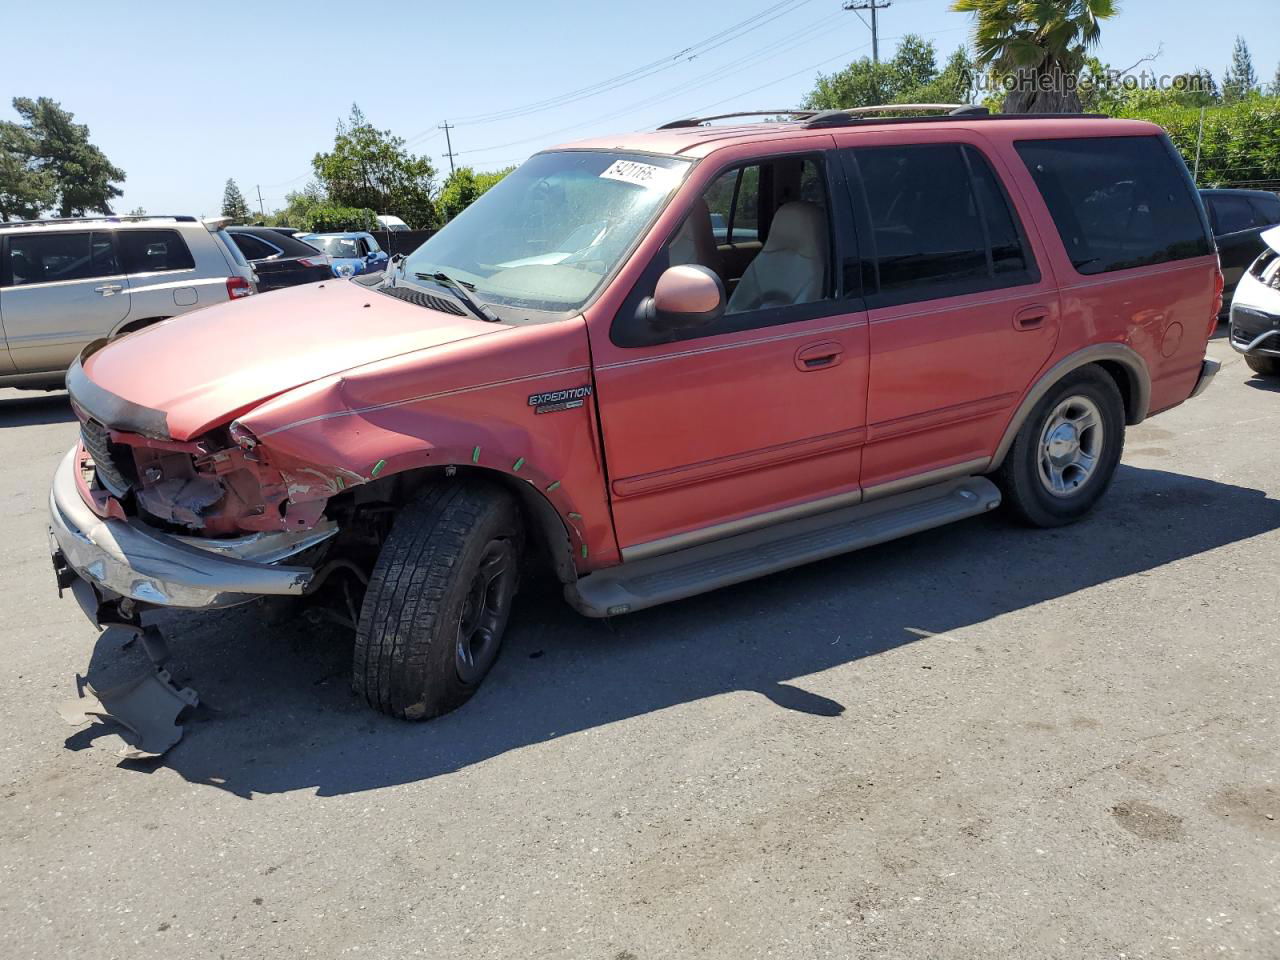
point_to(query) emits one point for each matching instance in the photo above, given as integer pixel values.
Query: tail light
(1218, 284)
(324, 260)
(238, 287)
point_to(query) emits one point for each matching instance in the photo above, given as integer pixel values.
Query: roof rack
(838, 118)
(180, 218)
(698, 121)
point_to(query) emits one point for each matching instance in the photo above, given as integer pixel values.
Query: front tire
(438, 602)
(1065, 454)
(1259, 363)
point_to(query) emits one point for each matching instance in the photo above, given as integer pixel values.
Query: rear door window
(152, 251)
(1266, 209)
(1233, 214)
(1117, 202)
(940, 224)
(57, 257)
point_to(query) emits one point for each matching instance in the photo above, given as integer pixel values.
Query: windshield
(547, 235)
(335, 246)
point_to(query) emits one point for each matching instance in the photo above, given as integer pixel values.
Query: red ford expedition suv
(657, 363)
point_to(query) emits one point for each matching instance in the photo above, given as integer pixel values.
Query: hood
(199, 370)
(1272, 238)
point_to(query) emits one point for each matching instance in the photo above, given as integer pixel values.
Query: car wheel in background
(1267, 366)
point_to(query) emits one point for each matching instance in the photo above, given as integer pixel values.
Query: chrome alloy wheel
(1070, 446)
(484, 613)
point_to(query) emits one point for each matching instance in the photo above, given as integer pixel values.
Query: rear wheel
(1063, 457)
(438, 602)
(1267, 366)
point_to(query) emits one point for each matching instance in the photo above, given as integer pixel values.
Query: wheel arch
(1119, 361)
(541, 518)
(133, 326)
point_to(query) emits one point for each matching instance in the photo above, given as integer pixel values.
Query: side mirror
(686, 296)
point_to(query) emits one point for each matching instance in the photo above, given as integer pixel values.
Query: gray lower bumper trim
(126, 560)
(1208, 370)
(1253, 344)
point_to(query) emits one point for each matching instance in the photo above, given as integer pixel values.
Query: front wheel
(1066, 452)
(438, 601)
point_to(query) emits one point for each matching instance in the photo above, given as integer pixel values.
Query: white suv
(66, 283)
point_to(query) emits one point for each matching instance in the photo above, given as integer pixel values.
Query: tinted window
(1232, 214)
(54, 257)
(925, 220)
(253, 248)
(1008, 253)
(1266, 209)
(146, 251)
(1118, 202)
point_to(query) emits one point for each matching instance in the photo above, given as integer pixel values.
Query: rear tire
(1066, 452)
(438, 602)
(1267, 366)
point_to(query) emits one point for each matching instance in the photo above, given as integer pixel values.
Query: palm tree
(1038, 47)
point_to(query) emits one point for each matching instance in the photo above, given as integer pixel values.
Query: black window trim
(266, 243)
(842, 238)
(870, 263)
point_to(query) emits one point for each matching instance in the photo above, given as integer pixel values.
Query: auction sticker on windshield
(639, 174)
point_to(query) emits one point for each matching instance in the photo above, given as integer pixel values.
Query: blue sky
(184, 97)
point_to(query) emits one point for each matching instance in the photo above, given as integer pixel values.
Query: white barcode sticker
(639, 174)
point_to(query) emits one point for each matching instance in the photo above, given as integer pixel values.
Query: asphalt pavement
(982, 741)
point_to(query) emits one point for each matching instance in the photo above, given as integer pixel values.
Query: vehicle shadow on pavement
(278, 714)
(19, 410)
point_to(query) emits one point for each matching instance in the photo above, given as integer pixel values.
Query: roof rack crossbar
(122, 218)
(698, 121)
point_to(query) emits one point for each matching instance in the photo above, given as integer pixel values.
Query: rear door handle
(819, 356)
(107, 289)
(1030, 318)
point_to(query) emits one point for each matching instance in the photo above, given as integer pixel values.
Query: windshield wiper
(459, 289)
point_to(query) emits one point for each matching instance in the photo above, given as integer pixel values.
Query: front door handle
(1030, 318)
(107, 289)
(819, 356)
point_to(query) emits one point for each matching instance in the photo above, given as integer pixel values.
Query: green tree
(370, 168)
(1275, 83)
(1241, 79)
(1036, 47)
(912, 76)
(138, 212)
(47, 142)
(462, 187)
(233, 203)
(25, 191)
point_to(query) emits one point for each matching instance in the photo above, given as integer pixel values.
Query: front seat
(792, 267)
(695, 242)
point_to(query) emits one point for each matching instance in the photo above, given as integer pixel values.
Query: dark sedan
(1238, 218)
(280, 260)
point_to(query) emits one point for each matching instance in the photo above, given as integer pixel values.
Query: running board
(709, 566)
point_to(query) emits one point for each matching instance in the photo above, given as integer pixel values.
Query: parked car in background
(936, 316)
(393, 223)
(352, 253)
(1255, 309)
(66, 283)
(1238, 218)
(280, 260)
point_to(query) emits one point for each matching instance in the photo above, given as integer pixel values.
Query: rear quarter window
(1117, 202)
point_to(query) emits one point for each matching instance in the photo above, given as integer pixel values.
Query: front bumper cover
(127, 559)
(1254, 330)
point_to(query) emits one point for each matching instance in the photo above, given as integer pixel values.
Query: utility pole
(873, 6)
(261, 209)
(446, 127)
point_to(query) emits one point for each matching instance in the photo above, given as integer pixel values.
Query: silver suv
(66, 283)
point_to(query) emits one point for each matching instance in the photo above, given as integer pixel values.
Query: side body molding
(1112, 355)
